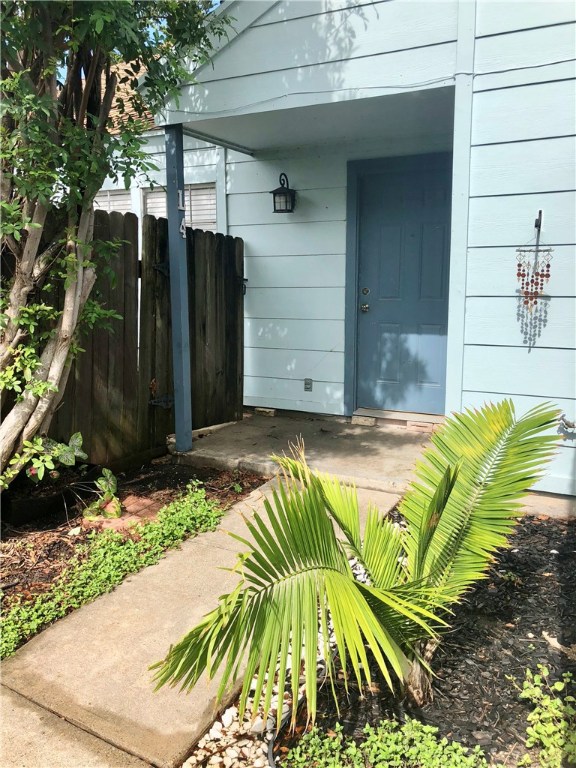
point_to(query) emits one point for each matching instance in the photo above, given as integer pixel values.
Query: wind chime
(533, 272)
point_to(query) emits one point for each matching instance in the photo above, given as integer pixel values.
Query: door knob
(364, 307)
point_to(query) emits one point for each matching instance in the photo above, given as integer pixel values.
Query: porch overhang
(422, 118)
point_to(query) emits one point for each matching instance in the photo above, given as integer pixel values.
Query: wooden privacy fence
(119, 394)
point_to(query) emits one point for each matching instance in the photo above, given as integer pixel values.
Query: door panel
(404, 236)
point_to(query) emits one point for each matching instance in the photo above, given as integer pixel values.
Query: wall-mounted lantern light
(284, 197)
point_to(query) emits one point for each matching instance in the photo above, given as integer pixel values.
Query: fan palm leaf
(296, 579)
(498, 457)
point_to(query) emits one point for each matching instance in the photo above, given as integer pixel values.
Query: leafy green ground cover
(410, 745)
(550, 736)
(105, 561)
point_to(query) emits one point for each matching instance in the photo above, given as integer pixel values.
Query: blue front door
(403, 264)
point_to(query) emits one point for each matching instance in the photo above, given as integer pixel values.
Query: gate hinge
(164, 401)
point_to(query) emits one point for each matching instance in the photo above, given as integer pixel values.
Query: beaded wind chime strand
(533, 272)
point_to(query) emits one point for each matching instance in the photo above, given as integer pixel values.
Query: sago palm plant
(298, 598)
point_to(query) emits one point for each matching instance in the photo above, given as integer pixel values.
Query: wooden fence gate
(119, 393)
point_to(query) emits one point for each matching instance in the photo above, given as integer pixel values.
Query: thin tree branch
(95, 63)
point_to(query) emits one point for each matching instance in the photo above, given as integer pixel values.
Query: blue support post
(178, 286)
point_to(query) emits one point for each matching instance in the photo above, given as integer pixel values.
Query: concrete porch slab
(377, 457)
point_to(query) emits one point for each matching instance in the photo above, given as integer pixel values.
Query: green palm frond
(498, 457)
(297, 580)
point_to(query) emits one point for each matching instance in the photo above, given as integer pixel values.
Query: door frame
(357, 169)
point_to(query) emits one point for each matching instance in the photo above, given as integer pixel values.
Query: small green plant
(41, 454)
(105, 560)
(107, 504)
(552, 722)
(410, 745)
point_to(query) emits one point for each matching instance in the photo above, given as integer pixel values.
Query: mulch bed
(33, 554)
(496, 634)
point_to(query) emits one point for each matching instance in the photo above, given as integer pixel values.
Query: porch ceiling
(424, 118)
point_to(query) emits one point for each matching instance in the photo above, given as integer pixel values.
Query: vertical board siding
(111, 386)
(216, 327)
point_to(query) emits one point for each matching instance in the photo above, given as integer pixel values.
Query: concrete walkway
(80, 694)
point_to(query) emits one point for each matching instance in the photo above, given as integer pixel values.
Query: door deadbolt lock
(364, 307)
(365, 291)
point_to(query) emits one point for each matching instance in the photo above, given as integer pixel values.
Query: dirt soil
(34, 554)
(497, 633)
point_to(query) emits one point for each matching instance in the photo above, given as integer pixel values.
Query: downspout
(177, 258)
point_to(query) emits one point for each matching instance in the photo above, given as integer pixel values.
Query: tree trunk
(418, 684)
(34, 413)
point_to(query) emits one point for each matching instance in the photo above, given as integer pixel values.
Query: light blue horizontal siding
(295, 303)
(563, 70)
(492, 272)
(294, 364)
(285, 239)
(543, 373)
(529, 112)
(311, 205)
(494, 322)
(295, 334)
(529, 49)
(340, 35)
(522, 160)
(496, 221)
(295, 271)
(312, 171)
(546, 165)
(298, 9)
(310, 84)
(494, 18)
(288, 394)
